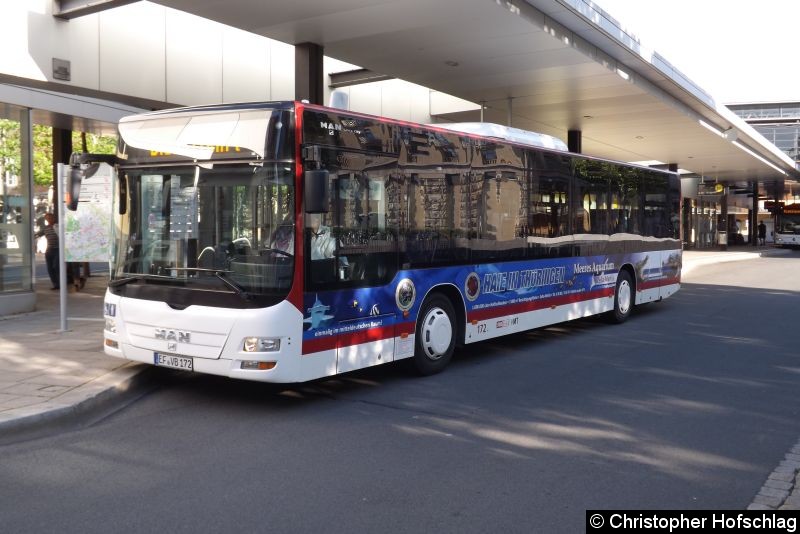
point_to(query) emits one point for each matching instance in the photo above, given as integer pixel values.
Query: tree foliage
(10, 154)
(9, 147)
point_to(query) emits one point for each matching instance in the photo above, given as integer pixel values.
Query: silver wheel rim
(624, 297)
(436, 333)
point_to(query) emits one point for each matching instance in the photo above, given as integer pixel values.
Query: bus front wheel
(435, 335)
(623, 298)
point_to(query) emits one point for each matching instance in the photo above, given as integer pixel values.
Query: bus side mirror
(122, 199)
(73, 186)
(81, 166)
(315, 191)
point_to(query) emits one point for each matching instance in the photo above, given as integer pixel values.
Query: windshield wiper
(222, 274)
(135, 278)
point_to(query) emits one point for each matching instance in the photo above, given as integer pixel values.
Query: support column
(753, 233)
(574, 141)
(686, 221)
(722, 222)
(308, 73)
(62, 150)
(510, 111)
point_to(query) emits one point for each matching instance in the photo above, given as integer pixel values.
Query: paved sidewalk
(696, 258)
(47, 375)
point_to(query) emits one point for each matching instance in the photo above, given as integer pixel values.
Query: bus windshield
(226, 227)
(788, 223)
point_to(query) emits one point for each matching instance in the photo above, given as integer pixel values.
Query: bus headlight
(111, 325)
(262, 344)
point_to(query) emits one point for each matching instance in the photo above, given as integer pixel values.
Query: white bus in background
(787, 225)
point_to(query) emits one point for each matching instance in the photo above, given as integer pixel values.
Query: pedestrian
(50, 233)
(762, 233)
(75, 269)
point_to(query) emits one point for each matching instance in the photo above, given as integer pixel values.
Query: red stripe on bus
(512, 309)
(407, 328)
(295, 296)
(348, 338)
(650, 284)
(354, 338)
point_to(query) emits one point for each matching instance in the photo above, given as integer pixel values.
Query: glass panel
(790, 111)
(15, 211)
(548, 206)
(592, 195)
(499, 229)
(625, 209)
(355, 243)
(661, 205)
(228, 224)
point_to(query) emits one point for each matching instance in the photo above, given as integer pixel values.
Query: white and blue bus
(285, 242)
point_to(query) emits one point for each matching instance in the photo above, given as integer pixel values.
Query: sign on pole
(88, 229)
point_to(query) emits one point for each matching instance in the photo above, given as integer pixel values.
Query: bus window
(549, 230)
(592, 195)
(499, 236)
(625, 209)
(433, 203)
(661, 198)
(355, 243)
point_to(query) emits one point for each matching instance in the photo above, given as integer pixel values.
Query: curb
(98, 395)
(781, 491)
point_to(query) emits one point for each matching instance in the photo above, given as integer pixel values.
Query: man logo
(173, 335)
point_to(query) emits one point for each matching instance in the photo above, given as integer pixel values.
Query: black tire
(624, 298)
(435, 335)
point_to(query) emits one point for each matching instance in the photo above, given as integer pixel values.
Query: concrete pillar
(753, 234)
(308, 73)
(722, 223)
(574, 141)
(62, 150)
(686, 222)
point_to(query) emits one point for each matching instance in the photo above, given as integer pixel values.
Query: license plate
(184, 363)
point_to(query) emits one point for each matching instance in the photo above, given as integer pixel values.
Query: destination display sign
(137, 156)
(791, 209)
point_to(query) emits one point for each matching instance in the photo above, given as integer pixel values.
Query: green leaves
(10, 156)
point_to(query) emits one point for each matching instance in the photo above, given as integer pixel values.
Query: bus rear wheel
(623, 298)
(435, 335)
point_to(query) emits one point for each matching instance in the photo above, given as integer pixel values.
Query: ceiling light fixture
(730, 134)
(737, 144)
(710, 128)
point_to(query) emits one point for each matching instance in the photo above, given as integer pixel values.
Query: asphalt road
(689, 405)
